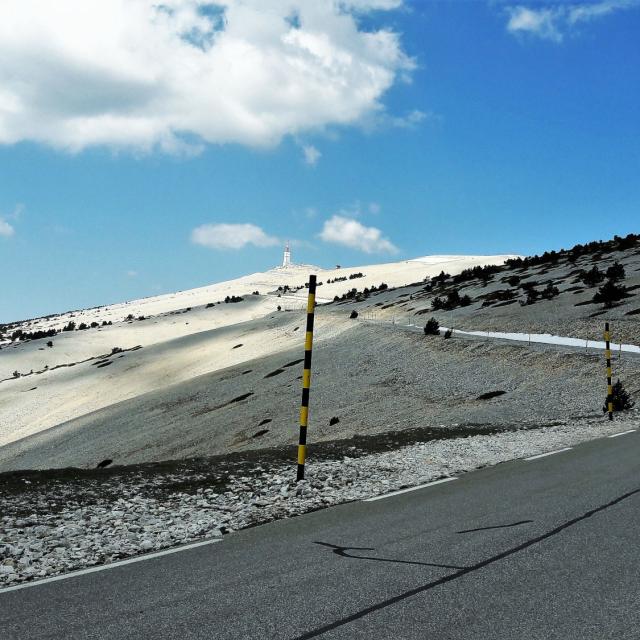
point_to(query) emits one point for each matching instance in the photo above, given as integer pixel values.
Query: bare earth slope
(223, 378)
(156, 342)
(374, 378)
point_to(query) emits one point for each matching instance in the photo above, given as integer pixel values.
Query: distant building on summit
(286, 260)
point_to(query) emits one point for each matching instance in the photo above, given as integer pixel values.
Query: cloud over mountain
(231, 236)
(353, 234)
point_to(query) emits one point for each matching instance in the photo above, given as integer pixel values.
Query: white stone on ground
(45, 544)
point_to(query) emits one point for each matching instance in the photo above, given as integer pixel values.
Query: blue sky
(484, 128)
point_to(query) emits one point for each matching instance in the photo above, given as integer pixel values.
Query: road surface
(544, 548)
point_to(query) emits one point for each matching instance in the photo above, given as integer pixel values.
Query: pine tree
(621, 399)
(616, 272)
(432, 328)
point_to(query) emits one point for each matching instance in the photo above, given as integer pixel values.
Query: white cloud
(231, 236)
(358, 209)
(311, 154)
(351, 233)
(553, 22)
(584, 12)
(412, 119)
(132, 274)
(6, 229)
(540, 22)
(369, 5)
(352, 210)
(143, 74)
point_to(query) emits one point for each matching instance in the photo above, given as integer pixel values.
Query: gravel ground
(52, 524)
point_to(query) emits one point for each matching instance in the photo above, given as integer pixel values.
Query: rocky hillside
(236, 388)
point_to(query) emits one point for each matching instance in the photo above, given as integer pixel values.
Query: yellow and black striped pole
(607, 344)
(306, 378)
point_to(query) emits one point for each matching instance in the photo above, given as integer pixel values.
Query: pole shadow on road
(342, 551)
(496, 526)
(459, 571)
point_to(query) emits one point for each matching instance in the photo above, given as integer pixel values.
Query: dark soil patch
(104, 364)
(265, 421)
(257, 434)
(633, 312)
(237, 346)
(277, 372)
(244, 373)
(294, 363)
(201, 412)
(490, 394)
(244, 396)
(178, 402)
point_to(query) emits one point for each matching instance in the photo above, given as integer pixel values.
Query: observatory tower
(286, 260)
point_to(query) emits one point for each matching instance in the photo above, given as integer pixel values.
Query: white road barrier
(547, 338)
(540, 338)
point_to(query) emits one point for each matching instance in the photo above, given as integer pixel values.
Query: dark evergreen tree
(615, 272)
(432, 328)
(609, 293)
(550, 291)
(621, 399)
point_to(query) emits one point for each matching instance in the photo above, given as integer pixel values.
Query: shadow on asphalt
(342, 551)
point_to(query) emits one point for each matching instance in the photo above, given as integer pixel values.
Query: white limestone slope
(394, 274)
(176, 344)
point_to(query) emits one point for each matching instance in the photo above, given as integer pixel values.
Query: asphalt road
(547, 548)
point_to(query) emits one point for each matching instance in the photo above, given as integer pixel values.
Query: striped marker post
(607, 341)
(306, 379)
